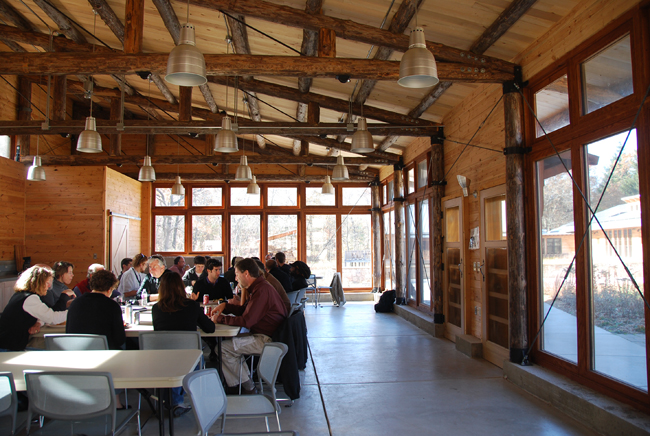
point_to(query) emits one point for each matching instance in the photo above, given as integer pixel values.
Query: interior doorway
(452, 259)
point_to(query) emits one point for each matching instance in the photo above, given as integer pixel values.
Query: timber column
(517, 281)
(376, 237)
(438, 191)
(400, 235)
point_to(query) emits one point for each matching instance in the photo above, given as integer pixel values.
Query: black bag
(386, 302)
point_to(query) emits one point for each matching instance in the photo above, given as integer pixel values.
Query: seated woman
(174, 311)
(25, 312)
(95, 313)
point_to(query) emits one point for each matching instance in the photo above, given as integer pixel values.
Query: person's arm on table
(39, 310)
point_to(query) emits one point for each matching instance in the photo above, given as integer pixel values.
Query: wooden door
(453, 269)
(119, 243)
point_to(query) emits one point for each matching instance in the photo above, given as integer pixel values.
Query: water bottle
(128, 313)
(144, 297)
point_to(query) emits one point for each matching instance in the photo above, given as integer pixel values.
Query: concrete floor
(376, 374)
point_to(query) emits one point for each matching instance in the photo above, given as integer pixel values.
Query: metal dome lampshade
(226, 140)
(36, 173)
(178, 188)
(418, 66)
(186, 64)
(244, 172)
(253, 188)
(89, 140)
(362, 139)
(340, 171)
(147, 173)
(328, 188)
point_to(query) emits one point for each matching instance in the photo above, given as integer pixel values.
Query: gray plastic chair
(260, 405)
(9, 404)
(79, 402)
(75, 342)
(171, 340)
(293, 297)
(207, 397)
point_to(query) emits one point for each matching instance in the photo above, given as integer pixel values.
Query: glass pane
(164, 198)
(321, 246)
(452, 233)
(552, 106)
(356, 196)
(389, 267)
(455, 304)
(425, 252)
(411, 256)
(410, 181)
(385, 196)
(560, 334)
(282, 235)
(5, 146)
(356, 240)
(422, 174)
(391, 191)
(618, 310)
(496, 282)
(282, 196)
(239, 197)
(206, 233)
(170, 233)
(495, 218)
(315, 198)
(607, 77)
(245, 235)
(207, 197)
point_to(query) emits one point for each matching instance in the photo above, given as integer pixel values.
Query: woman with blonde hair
(25, 312)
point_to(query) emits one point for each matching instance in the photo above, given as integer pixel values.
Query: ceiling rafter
(221, 177)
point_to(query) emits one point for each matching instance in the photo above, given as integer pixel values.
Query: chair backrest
(293, 295)
(311, 281)
(207, 396)
(8, 398)
(301, 295)
(75, 342)
(71, 395)
(170, 340)
(270, 361)
(295, 307)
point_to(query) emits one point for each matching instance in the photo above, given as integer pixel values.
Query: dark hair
(139, 259)
(234, 259)
(280, 257)
(126, 261)
(248, 265)
(270, 264)
(260, 265)
(199, 260)
(61, 268)
(103, 281)
(212, 263)
(177, 259)
(171, 293)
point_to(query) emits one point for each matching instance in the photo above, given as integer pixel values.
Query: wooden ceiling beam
(134, 26)
(221, 177)
(510, 15)
(60, 44)
(234, 65)
(347, 29)
(15, 17)
(64, 24)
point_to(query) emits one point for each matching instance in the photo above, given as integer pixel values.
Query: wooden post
(400, 235)
(438, 192)
(209, 144)
(517, 282)
(304, 148)
(116, 138)
(185, 103)
(376, 237)
(133, 26)
(59, 90)
(326, 43)
(24, 108)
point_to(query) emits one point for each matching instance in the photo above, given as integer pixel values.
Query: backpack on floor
(386, 301)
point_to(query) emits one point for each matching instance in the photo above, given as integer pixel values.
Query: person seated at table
(95, 313)
(300, 272)
(25, 312)
(157, 267)
(193, 274)
(83, 286)
(262, 315)
(179, 266)
(230, 274)
(59, 295)
(276, 285)
(174, 311)
(281, 260)
(126, 265)
(133, 277)
(282, 277)
(212, 284)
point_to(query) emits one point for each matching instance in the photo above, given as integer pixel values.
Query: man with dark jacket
(212, 284)
(281, 260)
(283, 278)
(193, 274)
(300, 272)
(157, 267)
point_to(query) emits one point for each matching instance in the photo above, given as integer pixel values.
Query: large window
(207, 233)
(356, 196)
(170, 233)
(356, 238)
(245, 235)
(424, 254)
(282, 235)
(321, 246)
(315, 197)
(282, 196)
(389, 250)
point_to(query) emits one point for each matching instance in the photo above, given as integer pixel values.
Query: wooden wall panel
(124, 196)
(65, 217)
(8, 98)
(12, 207)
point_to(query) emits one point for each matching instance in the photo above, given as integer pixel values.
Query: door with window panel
(453, 269)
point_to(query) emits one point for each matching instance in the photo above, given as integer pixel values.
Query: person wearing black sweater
(283, 277)
(212, 284)
(95, 313)
(174, 311)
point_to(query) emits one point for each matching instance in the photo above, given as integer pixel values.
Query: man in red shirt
(261, 315)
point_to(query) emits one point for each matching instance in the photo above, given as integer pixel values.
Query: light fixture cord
(38, 137)
(188, 11)
(178, 153)
(236, 86)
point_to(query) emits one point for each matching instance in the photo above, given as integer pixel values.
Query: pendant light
(244, 172)
(226, 140)
(418, 66)
(36, 173)
(186, 64)
(147, 173)
(89, 140)
(178, 188)
(340, 171)
(253, 188)
(328, 188)
(362, 139)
